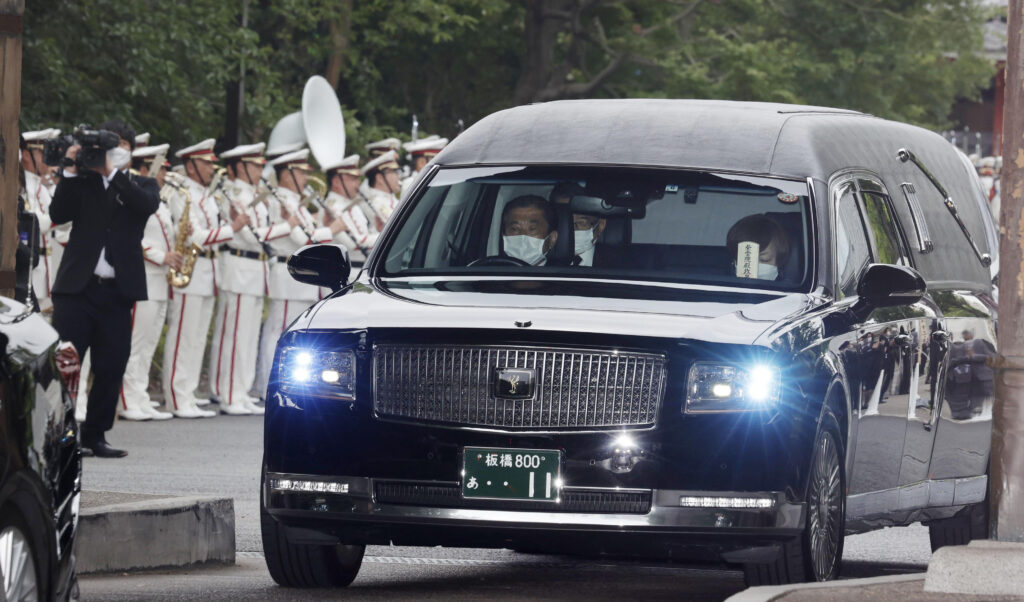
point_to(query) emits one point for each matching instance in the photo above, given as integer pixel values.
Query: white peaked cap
(244, 150)
(350, 162)
(39, 135)
(426, 146)
(381, 161)
(385, 144)
(142, 139)
(203, 150)
(150, 151)
(299, 156)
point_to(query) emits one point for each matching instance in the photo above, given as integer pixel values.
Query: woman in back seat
(774, 258)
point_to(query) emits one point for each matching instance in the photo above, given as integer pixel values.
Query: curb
(982, 567)
(765, 593)
(166, 532)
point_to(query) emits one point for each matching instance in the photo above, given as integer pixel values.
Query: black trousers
(98, 319)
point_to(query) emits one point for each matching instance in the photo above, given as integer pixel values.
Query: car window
(882, 230)
(852, 247)
(621, 223)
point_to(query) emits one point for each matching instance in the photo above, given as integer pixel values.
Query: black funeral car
(686, 329)
(40, 459)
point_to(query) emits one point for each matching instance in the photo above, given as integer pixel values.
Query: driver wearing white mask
(528, 229)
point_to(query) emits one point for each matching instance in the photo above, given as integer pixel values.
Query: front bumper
(667, 529)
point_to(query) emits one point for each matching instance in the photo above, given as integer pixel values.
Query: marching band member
(421, 152)
(343, 200)
(232, 366)
(382, 185)
(288, 298)
(38, 198)
(148, 316)
(192, 306)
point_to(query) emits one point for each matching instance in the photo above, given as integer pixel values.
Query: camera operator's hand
(107, 169)
(173, 259)
(72, 155)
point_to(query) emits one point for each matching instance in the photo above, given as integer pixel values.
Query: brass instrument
(182, 241)
(316, 192)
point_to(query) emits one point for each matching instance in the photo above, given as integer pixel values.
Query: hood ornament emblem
(524, 323)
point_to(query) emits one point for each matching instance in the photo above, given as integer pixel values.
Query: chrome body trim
(785, 517)
(918, 496)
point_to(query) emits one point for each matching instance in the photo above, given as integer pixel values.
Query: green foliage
(166, 66)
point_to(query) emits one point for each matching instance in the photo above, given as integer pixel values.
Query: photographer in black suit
(102, 274)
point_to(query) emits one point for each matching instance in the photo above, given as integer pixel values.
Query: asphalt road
(221, 457)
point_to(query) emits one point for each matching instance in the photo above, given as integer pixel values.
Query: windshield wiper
(907, 155)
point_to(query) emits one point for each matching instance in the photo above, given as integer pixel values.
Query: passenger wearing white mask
(528, 229)
(763, 235)
(587, 231)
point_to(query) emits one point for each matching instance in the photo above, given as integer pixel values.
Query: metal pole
(1006, 487)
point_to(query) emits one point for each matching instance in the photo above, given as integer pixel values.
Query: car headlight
(712, 387)
(330, 373)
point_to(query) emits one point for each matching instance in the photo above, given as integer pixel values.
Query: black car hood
(707, 313)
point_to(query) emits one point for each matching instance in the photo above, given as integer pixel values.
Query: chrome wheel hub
(17, 567)
(825, 507)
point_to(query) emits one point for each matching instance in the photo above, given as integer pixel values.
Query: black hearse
(719, 330)
(40, 459)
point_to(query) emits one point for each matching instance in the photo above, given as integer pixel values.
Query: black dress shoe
(102, 449)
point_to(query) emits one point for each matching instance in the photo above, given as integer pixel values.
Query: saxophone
(189, 250)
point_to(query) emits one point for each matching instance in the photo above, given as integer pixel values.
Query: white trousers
(235, 345)
(183, 349)
(279, 315)
(82, 401)
(41, 280)
(147, 325)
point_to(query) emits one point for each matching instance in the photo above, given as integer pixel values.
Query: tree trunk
(341, 32)
(1007, 473)
(10, 109)
(541, 38)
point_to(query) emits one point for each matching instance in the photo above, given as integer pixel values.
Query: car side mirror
(324, 265)
(885, 285)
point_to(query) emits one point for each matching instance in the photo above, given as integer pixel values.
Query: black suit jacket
(114, 218)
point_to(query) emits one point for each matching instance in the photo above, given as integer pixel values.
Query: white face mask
(527, 248)
(584, 241)
(767, 271)
(119, 157)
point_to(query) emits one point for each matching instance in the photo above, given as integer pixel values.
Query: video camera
(94, 143)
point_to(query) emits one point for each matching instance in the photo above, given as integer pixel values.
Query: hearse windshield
(650, 225)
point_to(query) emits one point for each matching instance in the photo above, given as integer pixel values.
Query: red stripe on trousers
(220, 351)
(124, 403)
(177, 340)
(234, 342)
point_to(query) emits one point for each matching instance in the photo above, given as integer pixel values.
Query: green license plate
(511, 474)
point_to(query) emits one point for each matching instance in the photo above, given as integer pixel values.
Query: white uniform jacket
(361, 233)
(381, 202)
(157, 239)
(248, 275)
(282, 285)
(209, 231)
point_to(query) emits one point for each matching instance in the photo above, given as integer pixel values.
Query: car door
(878, 350)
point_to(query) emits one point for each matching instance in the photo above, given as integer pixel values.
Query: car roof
(781, 140)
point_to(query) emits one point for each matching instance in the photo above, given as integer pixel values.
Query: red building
(985, 116)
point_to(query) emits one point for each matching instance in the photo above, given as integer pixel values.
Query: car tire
(22, 558)
(964, 527)
(303, 565)
(816, 555)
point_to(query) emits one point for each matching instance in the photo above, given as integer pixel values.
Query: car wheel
(967, 525)
(816, 555)
(19, 560)
(302, 565)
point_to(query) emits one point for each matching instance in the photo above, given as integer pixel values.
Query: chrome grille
(574, 389)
